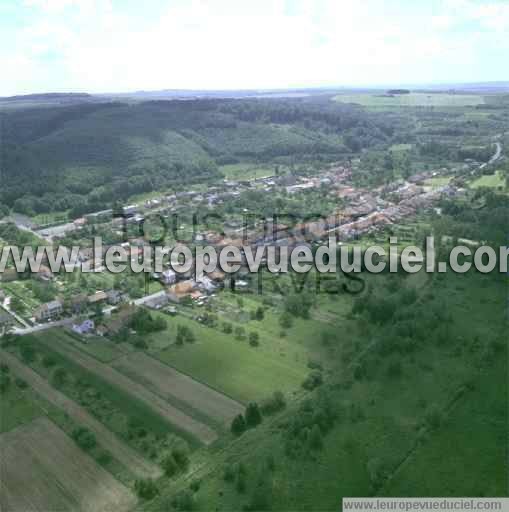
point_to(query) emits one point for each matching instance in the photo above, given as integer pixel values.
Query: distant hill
(48, 96)
(83, 156)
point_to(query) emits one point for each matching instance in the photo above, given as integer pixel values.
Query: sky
(127, 45)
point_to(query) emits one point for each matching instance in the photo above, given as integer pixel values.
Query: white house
(86, 327)
(169, 277)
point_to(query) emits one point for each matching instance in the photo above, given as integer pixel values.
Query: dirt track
(42, 469)
(126, 455)
(173, 415)
(168, 381)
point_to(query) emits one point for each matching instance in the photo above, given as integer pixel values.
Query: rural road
(43, 327)
(495, 156)
(123, 453)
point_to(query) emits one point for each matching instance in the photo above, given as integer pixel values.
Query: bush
(59, 377)
(313, 380)
(273, 404)
(84, 438)
(240, 333)
(22, 384)
(184, 334)
(285, 320)
(227, 327)
(27, 353)
(48, 361)
(238, 425)
(254, 339)
(169, 465)
(253, 415)
(228, 474)
(146, 488)
(5, 383)
(180, 454)
(195, 485)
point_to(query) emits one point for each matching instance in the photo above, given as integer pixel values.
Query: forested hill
(85, 155)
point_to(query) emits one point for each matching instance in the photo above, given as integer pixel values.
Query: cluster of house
(78, 304)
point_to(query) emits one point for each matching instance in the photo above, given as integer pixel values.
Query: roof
(97, 297)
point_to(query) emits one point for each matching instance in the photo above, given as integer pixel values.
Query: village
(360, 212)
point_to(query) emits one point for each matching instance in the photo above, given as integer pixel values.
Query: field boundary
(125, 454)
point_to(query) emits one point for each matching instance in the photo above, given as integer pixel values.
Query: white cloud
(90, 45)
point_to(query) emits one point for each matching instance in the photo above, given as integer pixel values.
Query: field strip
(169, 381)
(123, 453)
(43, 469)
(173, 415)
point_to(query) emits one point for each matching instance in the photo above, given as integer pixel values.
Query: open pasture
(414, 99)
(232, 366)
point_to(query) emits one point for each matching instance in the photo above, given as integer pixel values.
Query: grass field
(471, 436)
(401, 147)
(123, 453)
(102, 349)
(245, 171)
(43, 469)
(414, 99)
(243, 372)
(490, 180)
(132, 391)
(167, 381)
(16, 408)
(383, 419)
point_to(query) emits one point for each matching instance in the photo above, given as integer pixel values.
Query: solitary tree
(238, 425)
(254, 339)
(253, 415)
(169, 465)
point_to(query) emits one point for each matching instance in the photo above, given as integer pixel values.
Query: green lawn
(490, 180)
(230, 365)
(246, 171)
(414, 99)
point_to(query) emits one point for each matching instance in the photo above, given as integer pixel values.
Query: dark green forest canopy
(83, 156)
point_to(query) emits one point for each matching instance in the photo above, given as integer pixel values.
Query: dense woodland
(81, 157)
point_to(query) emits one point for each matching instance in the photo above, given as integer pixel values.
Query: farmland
(167, 381)
(16, 408)
(414, 99)
(149, 400)
(233, 367)
(106, 438)
(264, 391)
(395, 419)
(42, 469)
